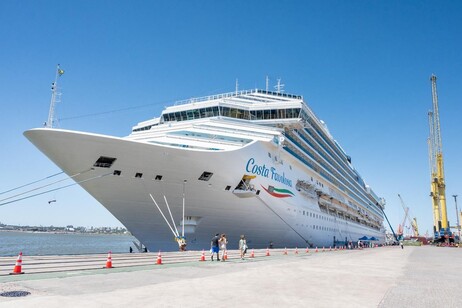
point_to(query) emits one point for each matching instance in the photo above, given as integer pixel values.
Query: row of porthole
(205, 176)
(317, 216)
(321, 228)
(138, 175)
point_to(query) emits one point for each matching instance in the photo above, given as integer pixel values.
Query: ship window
(259, 114)
(104, 162)
(158, 177)
(228, 187)
(117, 172)
(205, 176)
(138, 175)
(258, 192)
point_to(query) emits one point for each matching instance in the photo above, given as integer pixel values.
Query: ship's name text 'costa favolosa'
(262, 170)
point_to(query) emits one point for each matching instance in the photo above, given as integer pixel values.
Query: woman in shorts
(222, 242)
(242, 246)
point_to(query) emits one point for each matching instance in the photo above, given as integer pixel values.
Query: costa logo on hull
(270, 173)
(278, 192)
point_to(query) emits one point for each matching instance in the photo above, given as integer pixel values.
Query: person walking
(242, 246)
(223, 241)
(214, 246)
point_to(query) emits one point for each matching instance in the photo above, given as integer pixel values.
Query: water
(11, 243)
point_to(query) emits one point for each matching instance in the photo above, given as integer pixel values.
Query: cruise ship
(255, 162)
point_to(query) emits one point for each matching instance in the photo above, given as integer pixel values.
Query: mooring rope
(45, 178)
(153, 200)
(306, 241)
(55, 189)
(37, 188)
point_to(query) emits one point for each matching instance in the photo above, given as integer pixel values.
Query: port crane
(401, 227)
(441, 227)
(412, 222)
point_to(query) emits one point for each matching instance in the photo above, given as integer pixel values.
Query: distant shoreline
(64, 232)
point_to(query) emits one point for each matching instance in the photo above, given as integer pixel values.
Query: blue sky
(363, 67)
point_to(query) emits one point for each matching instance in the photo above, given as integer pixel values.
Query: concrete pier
(379, 277)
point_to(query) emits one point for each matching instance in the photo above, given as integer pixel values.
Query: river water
(32, 243)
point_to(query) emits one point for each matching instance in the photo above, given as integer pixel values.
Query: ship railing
(235, 94)
(241, 132)
(210, 140)
(213, 97)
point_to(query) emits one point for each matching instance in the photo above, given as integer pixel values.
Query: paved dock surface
(379, 277)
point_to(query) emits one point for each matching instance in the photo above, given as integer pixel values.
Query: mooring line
(37, 188)
(16, 188)
(171, 216)
(175, 234)
(55, 189)
(306, 241)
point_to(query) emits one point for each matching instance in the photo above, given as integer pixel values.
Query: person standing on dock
(223, 241)
(215, 248)
(242, 246)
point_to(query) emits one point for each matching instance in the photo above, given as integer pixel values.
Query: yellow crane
(412, 222)
(435, 152)
(415, 227)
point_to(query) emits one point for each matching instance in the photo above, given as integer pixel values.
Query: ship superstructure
(252, 162)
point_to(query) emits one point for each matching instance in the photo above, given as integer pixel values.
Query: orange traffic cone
(285, 250)
(296, 250)
(159, 259)
(330, 248)
(18, 265)
(225, 255)
(267, 252)
(335, 248)
(252, 254)
(307, 251)
(323, 249)
(316, 249)
(202, 256)
(109, 260)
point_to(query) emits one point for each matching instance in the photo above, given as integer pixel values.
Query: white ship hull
(210, 207)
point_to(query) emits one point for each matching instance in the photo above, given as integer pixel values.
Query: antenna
(267, 83)
(55, 98)
(279, 87)
(237, 85)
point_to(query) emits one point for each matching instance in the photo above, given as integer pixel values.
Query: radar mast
(55, 98)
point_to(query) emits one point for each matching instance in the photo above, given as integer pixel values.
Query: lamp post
(457, 215)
